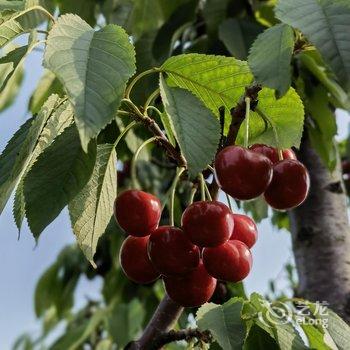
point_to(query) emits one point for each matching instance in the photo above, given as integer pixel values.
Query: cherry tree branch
(167, 313)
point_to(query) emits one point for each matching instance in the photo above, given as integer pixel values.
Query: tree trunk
(321, 237)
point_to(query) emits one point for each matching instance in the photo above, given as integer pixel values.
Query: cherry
(137, 212)
(245, 230)
(290, 185)
(208, 224)
(135, 262)
(193, 289)
(242, 173)
(272, 153)
(171, 252)
(231, 261)
(345, 166)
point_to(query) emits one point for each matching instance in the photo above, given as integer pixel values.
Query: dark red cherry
(193, 289)
(137, 212)
(171, 252)
(230, 262)
(272, 153)
(245, 230)
(242, 173)
(345, 164)
(135, 262)
(290, 185)
(208, 224)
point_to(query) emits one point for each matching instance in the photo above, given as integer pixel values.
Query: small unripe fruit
(230, 262)
(272, 153)
(290, 185)
(171, 252)
(242, 173)
(137, 212)
(135, 262)
(208, 224)
(191, 290)
(245, 230)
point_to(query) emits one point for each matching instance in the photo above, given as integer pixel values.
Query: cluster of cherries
(213, 244)
(248, 173)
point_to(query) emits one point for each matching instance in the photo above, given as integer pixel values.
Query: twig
(184, 334)
(165, 316)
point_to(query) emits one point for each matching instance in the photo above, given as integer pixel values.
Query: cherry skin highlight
(171, 252)
(208, 223)
(242, 173)
(272, 153)
(135, 262)
(230, 262)
(191, 290)
(245, 230)
(137, 212)
(290, 185)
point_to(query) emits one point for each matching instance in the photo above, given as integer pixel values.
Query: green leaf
(258, 339)
(238, 35)
(270, 58)
(13, 24)
(220, 81)
(224, 322)
(90, 211)
(85, 8)
(324, 24)
(57, 176)
(11, 5)
(14, 59)
(323, 127)
(216, 80)
(194, 126)
(314, 63)
(337, 329)
(258, 208)
(214, 13)
(93, 67)
(315, 337)
(55, 288)
(47, 86)
(285, 120)
(17, 153)
(9, 93)
(61, 116)
(125, 322)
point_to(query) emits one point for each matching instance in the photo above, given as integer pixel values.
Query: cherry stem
(136, 79)
(207, 191)
(134, 160)
(153, 96)
(179, 172)
(228, 201)
(124, 132)
(280, 154)
(247, 112)
(193, 193)
(202, 181)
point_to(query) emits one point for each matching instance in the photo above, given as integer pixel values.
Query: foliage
(189, 56)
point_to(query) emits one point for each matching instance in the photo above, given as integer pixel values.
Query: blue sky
(22, 262)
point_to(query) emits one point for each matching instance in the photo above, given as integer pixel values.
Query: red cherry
(135, 262)
(345, 166)
(272, 153)
(242, 173)
(193, 289)
(231, 261)
(245, 230)
(171, 252)
(137, 212)
(208, 224)
(290, 185)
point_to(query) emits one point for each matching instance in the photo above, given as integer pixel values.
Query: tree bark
(163, 319)
(321, 236)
